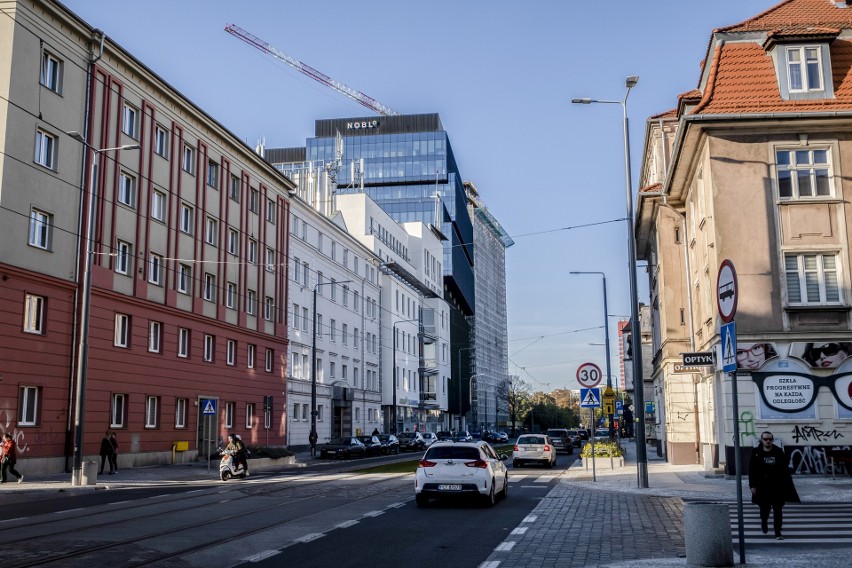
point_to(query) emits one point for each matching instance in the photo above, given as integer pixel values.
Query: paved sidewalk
(611, 522)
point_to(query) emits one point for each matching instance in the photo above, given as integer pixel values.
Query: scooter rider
(236, 445)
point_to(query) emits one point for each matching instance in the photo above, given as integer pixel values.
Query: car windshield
(527, 440)
(366, 439)
(407, 436)
(556, 433)
(339, 441)
(452, 453)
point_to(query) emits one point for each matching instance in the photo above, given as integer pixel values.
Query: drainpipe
(75, 326)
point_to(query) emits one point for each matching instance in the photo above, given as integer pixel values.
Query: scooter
(228, 468)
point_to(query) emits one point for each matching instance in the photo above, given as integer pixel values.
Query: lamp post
(393, 327)
(313, 436)
(461, 406)
(635, 326)
(85, 308)
(606, 343)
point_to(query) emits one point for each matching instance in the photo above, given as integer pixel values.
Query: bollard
(707, 533)
(90, 473)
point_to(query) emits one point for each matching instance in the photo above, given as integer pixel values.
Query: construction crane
(353, 94)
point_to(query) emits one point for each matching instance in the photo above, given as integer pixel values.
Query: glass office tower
(406, 165)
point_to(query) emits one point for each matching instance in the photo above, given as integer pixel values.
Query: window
(355, 338)
(183, 342)
(130, 121)
(234, 189)
(269, 359)
(152, 407)
(319, 413)
(297, 269)
(158, 206)
(155, 269)
(161, 141)
(51, 72)
(251, 302)
(305, 413)
(332, 369)
(180, 412)
(270, 260)
(269, 309)
(231, 295)
(126, 189)
(186, 218)
(155, 336)
(306, 270)
(188, 159)
(803, 173)
(318, 329)
(251, 355)
(249, 416)
(229, 414)
(812, 279)
(333, 329)
(184, 282)
(270, 211)
(213, 174)
(41, 231)
(305, 319)
(34, 314)
(333, 250)
(344, 333)
(122, 331)
(28, 405)
(119, 407)
(211, 230)
(233, 242)
(209, 347)
(231, 354)
(209, 287)
(254, 200)
(804, 68)
(333, 287)
(123, 257)
(252, 251)
(296, 407)
(45, 149)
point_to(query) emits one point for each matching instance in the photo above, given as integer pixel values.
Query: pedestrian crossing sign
(728, 333)
(590, 398)
(208, 407)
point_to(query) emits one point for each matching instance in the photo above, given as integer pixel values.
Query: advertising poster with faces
(787, 386)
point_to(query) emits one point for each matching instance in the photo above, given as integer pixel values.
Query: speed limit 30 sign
(589, 375)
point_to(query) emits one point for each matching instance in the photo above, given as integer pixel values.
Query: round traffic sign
(589, 375)
(726, 291)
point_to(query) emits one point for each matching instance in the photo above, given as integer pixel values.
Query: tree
(516, 394)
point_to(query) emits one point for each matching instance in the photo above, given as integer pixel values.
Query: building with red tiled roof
(754, 166)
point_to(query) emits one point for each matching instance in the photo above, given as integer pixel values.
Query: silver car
(451, 470)
(429, 437)
(537, 448)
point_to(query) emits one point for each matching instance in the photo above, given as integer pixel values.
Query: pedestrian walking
(8, 458)
(106, 453)
(113, 457)
(771, 483)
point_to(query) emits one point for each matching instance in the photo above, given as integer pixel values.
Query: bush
(602, 450)
(269, 452)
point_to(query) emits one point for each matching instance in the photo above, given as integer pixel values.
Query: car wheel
(549, 464)
(570, 450)
(422, 500)
(491, 498)
(516, 464)
(506, 485)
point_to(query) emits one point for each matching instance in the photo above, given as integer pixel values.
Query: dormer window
(804, 69)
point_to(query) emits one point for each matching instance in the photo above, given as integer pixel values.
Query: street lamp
(85, 308)
(638, 381)
(312, 437)
(393, 327)
(606, 343)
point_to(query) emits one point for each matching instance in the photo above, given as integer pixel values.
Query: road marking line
(67, 511)
(310, 537)
(374, 513)
(397, 505)
(492, 564)
(543, 480)
(347, 524)
(530, 519)
(519, 530)
(262, 555)
(505, 546)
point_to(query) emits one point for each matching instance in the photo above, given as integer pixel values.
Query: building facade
(143, 258)
(751, 167)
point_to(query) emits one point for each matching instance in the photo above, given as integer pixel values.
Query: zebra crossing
(532, 478)
(804, 523)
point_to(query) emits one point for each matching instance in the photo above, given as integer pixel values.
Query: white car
(534, 448)
(429, 437)
(459, 469)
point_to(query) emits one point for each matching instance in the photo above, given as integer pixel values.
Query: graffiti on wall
(814, 434)
(6, 420)
(746, 426)
(813, 460)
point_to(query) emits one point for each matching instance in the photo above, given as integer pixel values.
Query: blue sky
(502, 75)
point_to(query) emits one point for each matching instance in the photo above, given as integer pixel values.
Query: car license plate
(529, 448)
(331, 451)
(449, 488)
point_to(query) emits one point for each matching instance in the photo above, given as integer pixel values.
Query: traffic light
(267, 403)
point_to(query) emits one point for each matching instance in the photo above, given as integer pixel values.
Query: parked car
(411, 442)
(534, 448)
(429, 437)
(390, 444)
(345, 447)
(372, 444)
(463, 436)
(444, 435)
(501, 437)
(450, 470)
(561, 440)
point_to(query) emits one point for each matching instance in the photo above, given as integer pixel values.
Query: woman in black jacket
(106, 453)
(771, 482)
